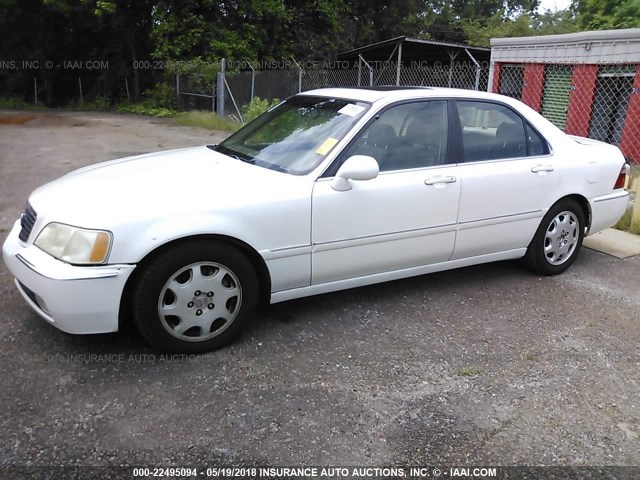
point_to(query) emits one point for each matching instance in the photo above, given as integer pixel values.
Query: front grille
(27, 220)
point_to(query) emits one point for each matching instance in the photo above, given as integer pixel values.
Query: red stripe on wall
(630, 142)
(583, 87)
(495, 88)
(533, 85)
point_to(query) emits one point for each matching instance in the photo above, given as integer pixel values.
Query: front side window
(491, 132)
(297, 135)
(410, 135)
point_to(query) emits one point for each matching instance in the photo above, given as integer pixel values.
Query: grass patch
(207, 120)
(146, 108)
(100, 104)
(18, 104)
(467, 372)
(630, 221)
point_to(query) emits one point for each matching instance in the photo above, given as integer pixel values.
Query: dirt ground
(487, 365)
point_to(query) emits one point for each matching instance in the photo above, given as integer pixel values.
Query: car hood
(160, 184)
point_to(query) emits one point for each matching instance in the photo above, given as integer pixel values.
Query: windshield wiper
(245, 159)
(231, 153)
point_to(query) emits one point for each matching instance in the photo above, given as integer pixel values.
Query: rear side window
(492, 132)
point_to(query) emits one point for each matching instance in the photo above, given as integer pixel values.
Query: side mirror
(357, 167)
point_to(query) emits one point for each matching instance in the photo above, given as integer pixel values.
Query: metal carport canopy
(415, 50)
(414, 53)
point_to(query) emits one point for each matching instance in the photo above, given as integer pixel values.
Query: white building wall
(600, 47)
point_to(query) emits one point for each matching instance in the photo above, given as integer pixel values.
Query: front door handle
(439, 179)
(542, 168)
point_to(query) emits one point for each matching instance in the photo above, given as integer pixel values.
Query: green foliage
(479, 31)
(630, 221)
(467, 372)
(100, 104)
(207, 120)
(162, 95)
(605, 14)
(257, 107)
(625, 222)
(146, 108)
(18, 104)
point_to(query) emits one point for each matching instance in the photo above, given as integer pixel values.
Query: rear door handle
(542, 168)
(439, 179)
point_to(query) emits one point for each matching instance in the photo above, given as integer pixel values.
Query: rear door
(508, 179)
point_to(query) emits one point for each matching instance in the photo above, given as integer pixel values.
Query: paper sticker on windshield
(326, 146)
(352, 110)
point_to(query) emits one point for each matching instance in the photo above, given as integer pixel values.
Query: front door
(404, 218)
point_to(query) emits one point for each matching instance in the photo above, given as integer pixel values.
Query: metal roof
(414, 49)
(563, 38)
(594, 47)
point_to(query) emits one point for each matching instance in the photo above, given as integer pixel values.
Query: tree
(605, 14)
(129, 23)
(479, 32)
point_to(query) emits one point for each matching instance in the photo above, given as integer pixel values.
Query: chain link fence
(595, 101)
(280, 84)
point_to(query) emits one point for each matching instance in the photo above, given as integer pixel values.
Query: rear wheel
(195, 296)
(558, 239)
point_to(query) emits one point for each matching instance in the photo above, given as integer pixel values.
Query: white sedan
(331, 189)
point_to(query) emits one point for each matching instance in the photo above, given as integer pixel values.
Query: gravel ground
(487, 365)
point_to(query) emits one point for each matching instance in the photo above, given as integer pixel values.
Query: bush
(162, 96)
(207, 120)
(257, 107)
(18, 104)
(99, 104)
(159, 101)
(146, 108)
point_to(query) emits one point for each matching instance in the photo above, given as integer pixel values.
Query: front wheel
(195, 296)
(558, 239)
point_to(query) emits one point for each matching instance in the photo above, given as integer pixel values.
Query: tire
(558, 239)
(195, 297)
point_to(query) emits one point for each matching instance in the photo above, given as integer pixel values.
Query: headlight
(74, 245)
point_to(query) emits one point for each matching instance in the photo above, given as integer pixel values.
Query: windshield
(297, 135)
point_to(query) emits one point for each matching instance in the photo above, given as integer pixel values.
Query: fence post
(299, 74)
(452, 57)
(220, 89)
(35, 90)
(233, 100)
(253, 79)
(178, 84)
(399, 65)
(126, 86)
(366, 64)
(80, 85)
(478, 68)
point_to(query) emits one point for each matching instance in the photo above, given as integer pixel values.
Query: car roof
(374, 94)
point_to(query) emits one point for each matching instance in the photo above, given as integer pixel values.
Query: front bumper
(79, 300)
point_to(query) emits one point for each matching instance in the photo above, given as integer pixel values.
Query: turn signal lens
(100, 248)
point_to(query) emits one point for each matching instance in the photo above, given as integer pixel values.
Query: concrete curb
(614, 242)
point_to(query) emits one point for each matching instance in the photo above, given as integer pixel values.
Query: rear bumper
(79, 300)
(607, 210)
